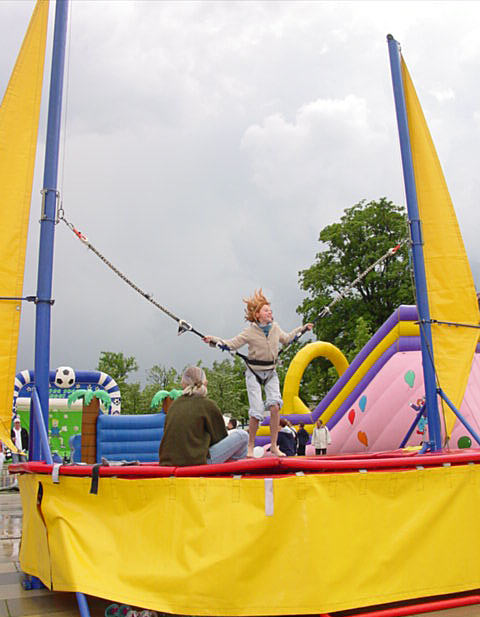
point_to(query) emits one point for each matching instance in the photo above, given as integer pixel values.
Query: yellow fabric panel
(19, 115)
(34, 533)
(451, 291)
(206, 546)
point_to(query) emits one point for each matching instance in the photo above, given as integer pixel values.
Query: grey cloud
(209, 142)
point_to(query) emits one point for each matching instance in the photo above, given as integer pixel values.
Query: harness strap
(262, 381)
(246, 359)
(95, 475)
(259, 362)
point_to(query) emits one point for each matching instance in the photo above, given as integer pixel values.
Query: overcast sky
(208, 143)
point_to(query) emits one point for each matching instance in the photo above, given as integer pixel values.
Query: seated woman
(195, 432)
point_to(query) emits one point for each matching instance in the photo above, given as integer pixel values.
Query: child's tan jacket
(260, 347)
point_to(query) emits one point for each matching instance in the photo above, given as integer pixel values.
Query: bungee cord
(327, 310)
(185, 326)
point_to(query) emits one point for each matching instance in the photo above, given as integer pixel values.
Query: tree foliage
(117, 366)
(158, 378)
(226, 386)
(365, 232)
(163, 378)
(226, 383)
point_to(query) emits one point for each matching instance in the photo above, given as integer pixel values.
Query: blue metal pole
(82, 605)
(469, 428)
(47, 223)
(42, 431)
(47, 237)
(434, 428)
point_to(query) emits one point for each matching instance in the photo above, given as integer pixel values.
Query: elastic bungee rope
(183, 325)
(327, 310)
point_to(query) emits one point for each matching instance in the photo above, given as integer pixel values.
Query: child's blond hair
(254, 304)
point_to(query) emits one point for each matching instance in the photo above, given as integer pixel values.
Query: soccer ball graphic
(64, 377)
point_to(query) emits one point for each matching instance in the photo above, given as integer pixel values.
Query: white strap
(268, 496)
(56, 473)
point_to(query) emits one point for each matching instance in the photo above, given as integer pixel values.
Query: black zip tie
(26, 298)
(447, 323)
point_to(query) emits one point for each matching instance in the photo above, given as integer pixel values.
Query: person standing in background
(321, 438)
(302, 440)
(19, 437)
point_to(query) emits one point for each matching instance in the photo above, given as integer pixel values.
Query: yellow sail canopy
(19, 115)
(450, 286)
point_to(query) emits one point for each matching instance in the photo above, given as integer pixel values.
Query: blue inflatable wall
(129, 438)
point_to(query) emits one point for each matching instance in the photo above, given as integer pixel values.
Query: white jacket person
(321, 436)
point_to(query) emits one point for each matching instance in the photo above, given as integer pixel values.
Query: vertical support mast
(47, 237)
(434, 429)
(47, 224)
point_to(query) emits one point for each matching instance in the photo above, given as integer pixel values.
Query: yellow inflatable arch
(292, 403)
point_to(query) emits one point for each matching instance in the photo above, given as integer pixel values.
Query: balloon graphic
(362, 438)
(464, 442)
(362, 403)
(351, 415)
(410, 378)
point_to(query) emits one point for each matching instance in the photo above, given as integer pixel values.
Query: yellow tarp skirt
(223, 546)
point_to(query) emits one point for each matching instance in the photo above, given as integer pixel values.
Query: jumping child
(262, 336)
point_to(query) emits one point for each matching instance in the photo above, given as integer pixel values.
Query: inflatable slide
(377, 398)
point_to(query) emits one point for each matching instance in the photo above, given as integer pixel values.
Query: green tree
(132, 399)
(158, 378)
(365, 232)
(363, 333)
(226, 386)
(117, 366)
(163, 378)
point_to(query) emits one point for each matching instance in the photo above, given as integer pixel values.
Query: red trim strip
(385, 461)
(413, 609)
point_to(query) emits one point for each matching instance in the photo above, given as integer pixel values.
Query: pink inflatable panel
(380, 417)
